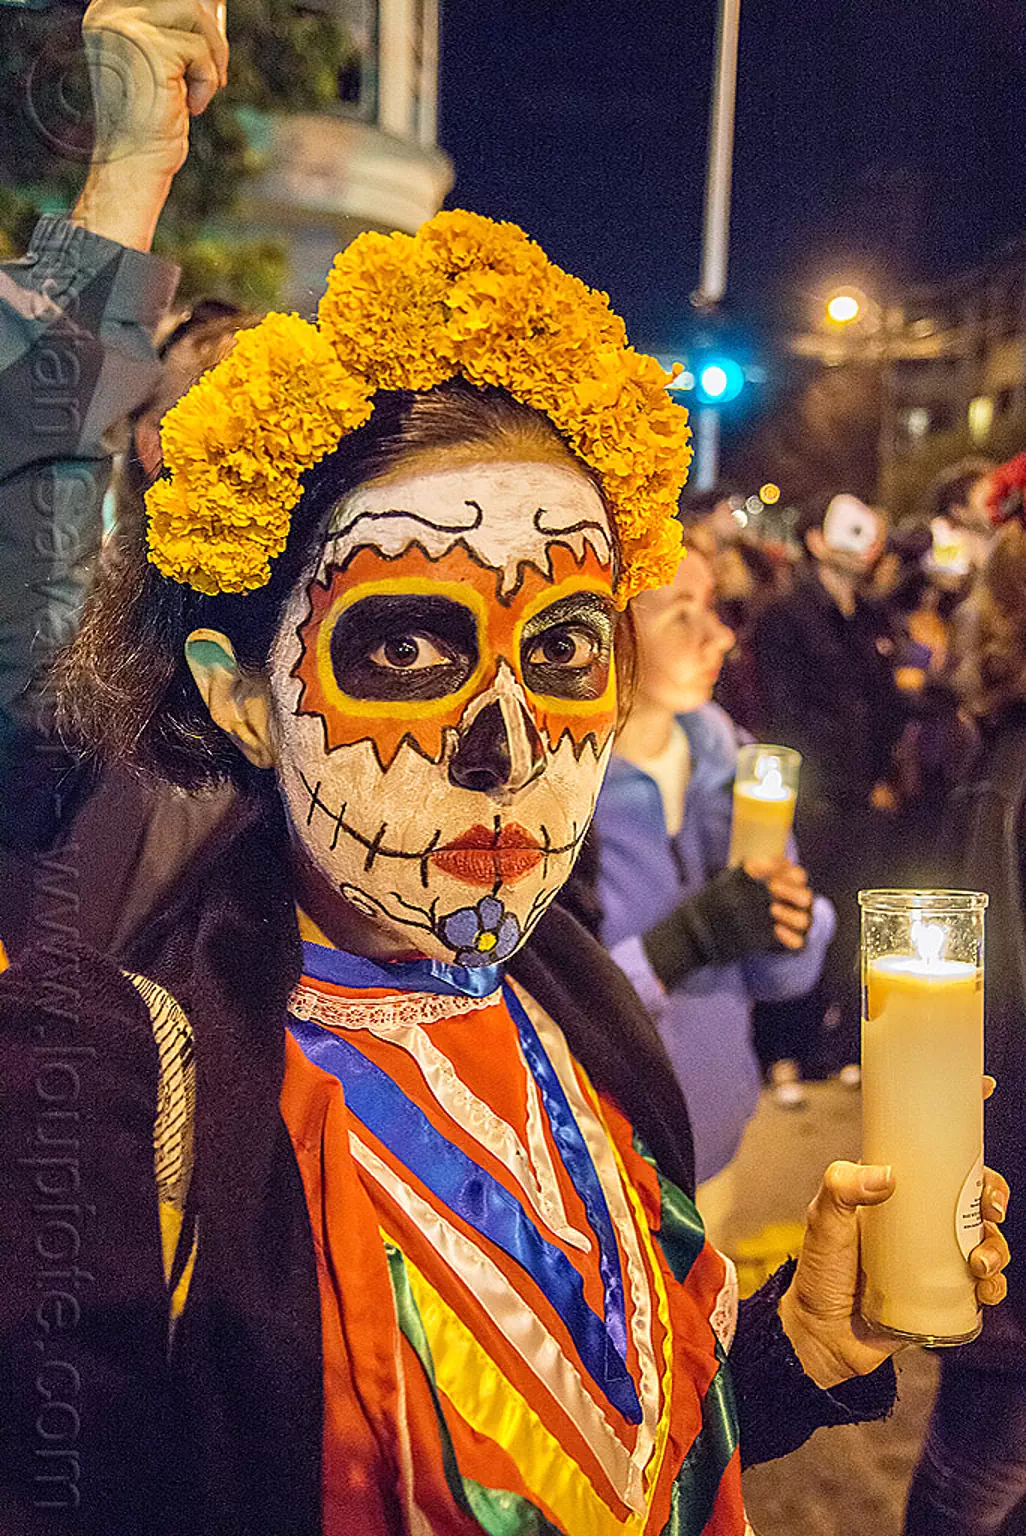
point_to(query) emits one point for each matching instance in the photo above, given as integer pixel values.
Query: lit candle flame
(772, 781)
(930, 941)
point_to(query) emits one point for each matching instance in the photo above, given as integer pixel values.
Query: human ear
(237, 701)
(146, 438)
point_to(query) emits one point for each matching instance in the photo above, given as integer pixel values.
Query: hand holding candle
(765, 794)
(820, 1310)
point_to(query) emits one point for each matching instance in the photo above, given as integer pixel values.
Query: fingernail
(999, 1207)
(874, 1179)
(988, 1262)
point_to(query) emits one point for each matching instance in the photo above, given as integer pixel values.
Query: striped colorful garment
(524, 1329)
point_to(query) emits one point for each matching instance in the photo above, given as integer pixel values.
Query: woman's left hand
(819, 1310)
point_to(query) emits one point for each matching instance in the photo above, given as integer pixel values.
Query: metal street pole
(712, 281)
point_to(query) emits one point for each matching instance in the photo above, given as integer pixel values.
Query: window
(358, 80)
(916, 423)
(981, 418)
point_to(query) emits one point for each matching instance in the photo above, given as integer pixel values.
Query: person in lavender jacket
(700, 943)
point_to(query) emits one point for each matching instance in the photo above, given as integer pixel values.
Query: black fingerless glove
(724, 921)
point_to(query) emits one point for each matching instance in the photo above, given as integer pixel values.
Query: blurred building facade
(949, 363)
(371, 162)
(957, 378)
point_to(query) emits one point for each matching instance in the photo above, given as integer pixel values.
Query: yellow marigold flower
(464, 296)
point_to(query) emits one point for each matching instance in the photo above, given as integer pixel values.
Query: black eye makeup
(565, 650)
(403, 647)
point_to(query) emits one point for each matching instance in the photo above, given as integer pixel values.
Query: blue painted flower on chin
(485, 934)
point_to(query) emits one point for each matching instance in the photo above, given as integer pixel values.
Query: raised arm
(76, 317)
(153, 64)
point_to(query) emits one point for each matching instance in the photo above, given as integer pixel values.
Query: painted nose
(499, 750)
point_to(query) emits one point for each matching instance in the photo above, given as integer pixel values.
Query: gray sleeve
(75, 356)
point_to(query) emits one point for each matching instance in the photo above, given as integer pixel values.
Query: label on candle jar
(968, 1214)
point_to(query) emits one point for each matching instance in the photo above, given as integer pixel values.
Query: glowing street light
(844, 307)
(718, 380)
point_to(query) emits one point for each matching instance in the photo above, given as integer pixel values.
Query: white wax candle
(763, 818)
(922, 1112)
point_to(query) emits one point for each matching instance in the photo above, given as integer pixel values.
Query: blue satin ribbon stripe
(578, 1164)
(478, 1198)
(346, 970)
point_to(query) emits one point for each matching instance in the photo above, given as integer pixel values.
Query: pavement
(843, 1482)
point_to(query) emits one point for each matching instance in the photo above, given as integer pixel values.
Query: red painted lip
(482, 856)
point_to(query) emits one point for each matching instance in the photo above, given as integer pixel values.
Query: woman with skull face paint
(426, 1238)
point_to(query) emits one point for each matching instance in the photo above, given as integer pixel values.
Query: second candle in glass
(765, 795)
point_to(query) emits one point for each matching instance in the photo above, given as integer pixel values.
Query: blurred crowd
(858, 641)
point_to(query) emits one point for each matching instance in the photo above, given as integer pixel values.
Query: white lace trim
(530, 1166)
(724, 1314)
(382, 1014)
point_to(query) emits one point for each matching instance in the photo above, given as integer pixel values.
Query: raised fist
(153, 64)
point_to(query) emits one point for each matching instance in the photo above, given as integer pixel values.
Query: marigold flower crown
(464, 296)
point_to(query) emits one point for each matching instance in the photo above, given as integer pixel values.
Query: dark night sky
(882, 139)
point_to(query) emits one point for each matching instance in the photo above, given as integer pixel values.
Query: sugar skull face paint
(445, 694)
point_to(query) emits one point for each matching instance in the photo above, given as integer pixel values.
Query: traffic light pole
(712, 282)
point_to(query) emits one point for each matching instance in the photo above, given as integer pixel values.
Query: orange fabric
(728, 1516)
(360, 1338)
(432, 1491)
(382, 1448)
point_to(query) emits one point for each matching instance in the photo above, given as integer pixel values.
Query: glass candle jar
(765, 795)
(922, 1109)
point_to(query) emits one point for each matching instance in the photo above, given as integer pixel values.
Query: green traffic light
(719, 380)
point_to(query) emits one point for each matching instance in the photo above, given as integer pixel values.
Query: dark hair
(812, 514)
(205, 316)
(123, 687)
(909, 546)
(695, 505)
(952, 487)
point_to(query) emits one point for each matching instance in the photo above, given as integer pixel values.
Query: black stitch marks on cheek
(375, 846)
(427, 854)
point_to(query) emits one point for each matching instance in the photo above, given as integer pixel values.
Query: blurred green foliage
(285, 57)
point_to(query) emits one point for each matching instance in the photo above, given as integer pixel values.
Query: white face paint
(444, 699)
(475, 503)
(851, 527)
